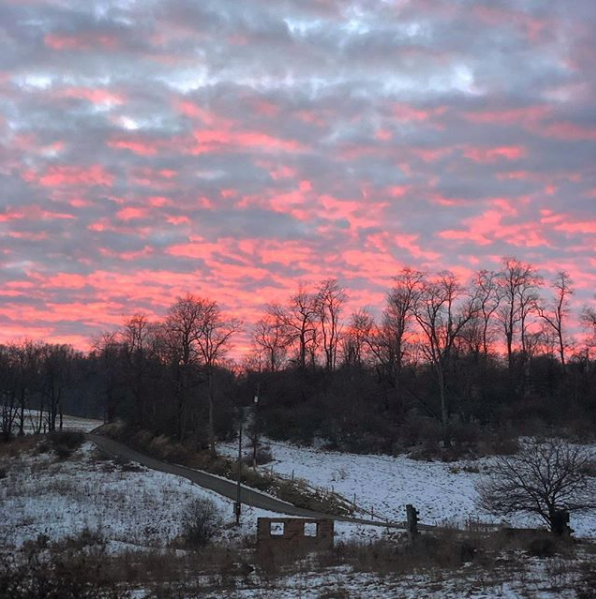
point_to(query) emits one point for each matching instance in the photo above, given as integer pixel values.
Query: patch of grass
(48, 575)
(16, 446)
(471, 469)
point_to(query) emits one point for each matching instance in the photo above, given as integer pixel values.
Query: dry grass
(433, 562)
(17, 446)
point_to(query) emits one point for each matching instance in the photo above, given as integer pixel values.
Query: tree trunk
(444, 411)
(211, 418)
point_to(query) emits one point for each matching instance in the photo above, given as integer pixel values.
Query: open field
(69, 423)
(443, 493)
(128, 520)
(129, 505)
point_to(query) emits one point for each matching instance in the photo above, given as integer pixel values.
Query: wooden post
(412, 521)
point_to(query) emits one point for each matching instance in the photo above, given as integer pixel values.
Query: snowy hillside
(443, 493)
(133, 510)
(128, 505)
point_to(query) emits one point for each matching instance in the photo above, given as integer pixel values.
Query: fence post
(411, 521)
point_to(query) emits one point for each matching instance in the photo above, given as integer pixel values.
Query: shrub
(466, 434)
(71, 439)
(505, 445)
(200, 521)
(542, 547)
(64, 443)
(264, 456)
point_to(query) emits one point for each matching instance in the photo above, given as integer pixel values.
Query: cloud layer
(231, 149)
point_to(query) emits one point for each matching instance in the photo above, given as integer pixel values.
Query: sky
(153, 148)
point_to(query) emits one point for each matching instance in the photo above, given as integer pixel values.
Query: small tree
(544, 478)
(201, 519)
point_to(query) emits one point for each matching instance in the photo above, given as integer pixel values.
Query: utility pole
(237, 505)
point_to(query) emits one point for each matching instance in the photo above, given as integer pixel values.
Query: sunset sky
(233, 148)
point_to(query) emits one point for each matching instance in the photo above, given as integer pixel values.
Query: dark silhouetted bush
(201, 520)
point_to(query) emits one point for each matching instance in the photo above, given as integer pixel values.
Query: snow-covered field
(443, 493)
(128, 505)
(133, 508)
(540, 579)
(70, 423)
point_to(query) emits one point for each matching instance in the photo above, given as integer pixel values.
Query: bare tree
(487, 292)
(213, 336)
(355, 337)
(299, 319)
(108, 348)
(199, 336)
(588, 319)
(558, 311)
(24, 360)
(329, 300)
(271, 339)
(543, 479)
(140, 343)
(9, 408)
(402, 303)
(518, 285)
(388, 342)
(443, 312)
(55, 371)
(180, 331)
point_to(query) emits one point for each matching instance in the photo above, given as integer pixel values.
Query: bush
(71, 439)
(264, 456)
(505, 445)
(166, 449)
(542, 547)
(64, 443)
(465, 434)
(200, 521)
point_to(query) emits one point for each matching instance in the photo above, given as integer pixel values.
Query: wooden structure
(283, 536)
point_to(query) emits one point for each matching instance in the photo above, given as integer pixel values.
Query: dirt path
(219, 485)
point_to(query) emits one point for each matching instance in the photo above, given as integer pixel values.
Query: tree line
(445, 360)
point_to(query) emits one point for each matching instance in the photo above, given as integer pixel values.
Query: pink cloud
(131, 213)
(568, 132)
(58, 176)
(94, 95)
(488, 155)
(509, 116)
(136, 146)
(83, 41)
(587, 227)
(221, 140)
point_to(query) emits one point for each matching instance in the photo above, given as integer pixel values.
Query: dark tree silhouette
(543, 478)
